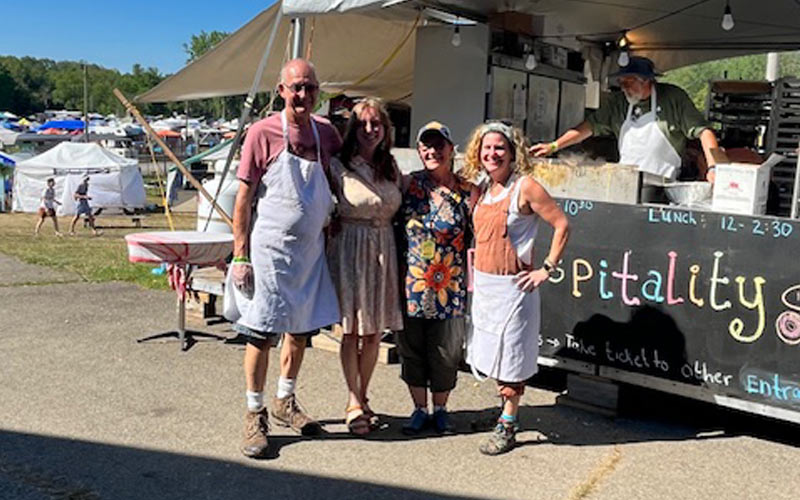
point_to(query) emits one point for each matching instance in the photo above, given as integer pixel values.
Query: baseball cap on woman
(435, 127)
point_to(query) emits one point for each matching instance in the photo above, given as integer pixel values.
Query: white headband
(500, 128)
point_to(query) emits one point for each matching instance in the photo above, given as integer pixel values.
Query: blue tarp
(62, 124)
(6, 160)
(11, 126)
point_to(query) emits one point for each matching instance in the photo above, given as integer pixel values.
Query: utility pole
(85, 104)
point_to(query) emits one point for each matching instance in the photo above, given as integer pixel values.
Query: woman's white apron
(504, 338)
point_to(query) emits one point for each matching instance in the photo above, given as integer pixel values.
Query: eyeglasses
(297, 87)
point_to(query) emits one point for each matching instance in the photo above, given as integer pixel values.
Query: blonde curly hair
(519, 149)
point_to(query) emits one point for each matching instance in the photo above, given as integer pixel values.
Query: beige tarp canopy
(345, 49)
(353, 47)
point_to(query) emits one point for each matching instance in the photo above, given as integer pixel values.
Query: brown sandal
(372, 417)
(357, 421)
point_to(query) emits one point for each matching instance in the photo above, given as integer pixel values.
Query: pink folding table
(180, 250)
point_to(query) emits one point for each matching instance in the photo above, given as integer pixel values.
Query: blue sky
(117, 34)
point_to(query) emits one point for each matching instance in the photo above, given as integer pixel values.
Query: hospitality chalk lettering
(664, 287)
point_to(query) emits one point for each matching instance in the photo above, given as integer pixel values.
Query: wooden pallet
(331, 340)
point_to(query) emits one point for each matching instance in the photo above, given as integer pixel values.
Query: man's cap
(637, 66)
(435, 127)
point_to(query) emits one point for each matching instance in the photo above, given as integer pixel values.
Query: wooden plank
(330, 340)
(209, 280)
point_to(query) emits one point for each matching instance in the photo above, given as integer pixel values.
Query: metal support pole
(298, 25)
(246, 111)
(85, 104)
(773, 66)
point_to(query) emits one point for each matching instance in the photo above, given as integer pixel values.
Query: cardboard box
(741, 188)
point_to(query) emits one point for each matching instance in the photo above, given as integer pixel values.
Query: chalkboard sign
(697, 297)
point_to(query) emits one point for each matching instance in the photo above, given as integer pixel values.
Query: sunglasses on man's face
(297, 87)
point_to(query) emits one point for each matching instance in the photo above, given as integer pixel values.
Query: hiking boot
(501, 440)
(441, 422)
(416, 422)
(256, 428)
(287, 412)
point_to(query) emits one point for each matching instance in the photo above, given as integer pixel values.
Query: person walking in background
(362, 255)
(435, 214)
(47, 207)
(82, 197)
(504, 339)
(279, 263)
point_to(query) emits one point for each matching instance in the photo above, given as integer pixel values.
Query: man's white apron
(293, 288)
(642, 143)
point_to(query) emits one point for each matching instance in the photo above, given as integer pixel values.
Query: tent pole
(85, 106)
(298, 25)
(246, 111)
(139, 118)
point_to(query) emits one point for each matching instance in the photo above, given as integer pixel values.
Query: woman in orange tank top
(504, 340)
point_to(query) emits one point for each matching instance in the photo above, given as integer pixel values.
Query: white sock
(439, 408)
(423, 409)
(285, 387)
(255, 400)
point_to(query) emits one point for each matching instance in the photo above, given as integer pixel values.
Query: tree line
(29, 85)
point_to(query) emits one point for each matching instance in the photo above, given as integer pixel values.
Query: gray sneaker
(287, 412)
(256, 429)
(501, 440)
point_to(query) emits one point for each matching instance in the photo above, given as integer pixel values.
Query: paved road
(85, 412)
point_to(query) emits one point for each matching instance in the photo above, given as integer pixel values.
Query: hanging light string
(587, 37)
(668, 15)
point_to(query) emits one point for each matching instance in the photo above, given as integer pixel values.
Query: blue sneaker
(417, 422)
(441, 422)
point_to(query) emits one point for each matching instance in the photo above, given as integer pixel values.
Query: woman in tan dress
(361, 251)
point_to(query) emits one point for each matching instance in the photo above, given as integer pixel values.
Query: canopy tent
(345, 49)
(366, 49)
(61, 124)
(7, 137)
(168, 133)
(115, 182)
(218, 152)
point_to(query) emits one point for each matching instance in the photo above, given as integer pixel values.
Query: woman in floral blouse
(436, 217)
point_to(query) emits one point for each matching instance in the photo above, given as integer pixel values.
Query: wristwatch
(549, 267)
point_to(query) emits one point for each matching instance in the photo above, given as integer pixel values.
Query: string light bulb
(456, 40)
(530, 58)
(530, 61)
(624, 58)
(623, 41)
(727, 17)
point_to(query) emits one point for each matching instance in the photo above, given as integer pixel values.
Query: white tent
(115, 182)
(365, 47)
(7, 137)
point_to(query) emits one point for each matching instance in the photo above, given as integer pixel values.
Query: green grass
(94, 259)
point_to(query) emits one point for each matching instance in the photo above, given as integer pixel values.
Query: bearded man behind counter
(652, 122)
